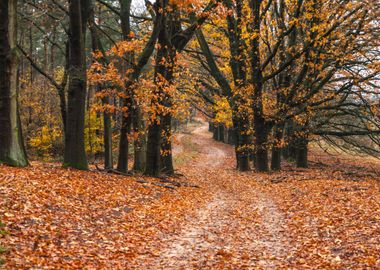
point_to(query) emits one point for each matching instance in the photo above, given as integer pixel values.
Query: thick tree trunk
(261, 140)
(75, 152)
(152, 167)
(302, 153)
(215, 132)
(126, 123)
(166, 145)
(231, 136)
(220, 137)
(289, 151)
(276, 159)
(242, 145)
(122, 165)
(261, 128)
(163, 78)
(276, 149)
(12, 151)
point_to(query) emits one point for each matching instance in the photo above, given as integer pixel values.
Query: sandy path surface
(243, 228)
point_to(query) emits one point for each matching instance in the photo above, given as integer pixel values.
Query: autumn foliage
(168, 134)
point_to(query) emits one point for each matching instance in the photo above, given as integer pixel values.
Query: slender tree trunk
(75, 152)
(12, 151)
(107, 117)
(107, 136)
(31, 53)
(140, 143)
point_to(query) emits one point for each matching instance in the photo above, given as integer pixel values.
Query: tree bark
(242, 145)
(166, 146)
(261, 139)
(155, 137)
(126, 123)
(220, 132)
(215, 132)
(261, 127)
(140, 142)
(12, 151)
(107, 133)
(75, 152)
(277, 150)
(152, 167)
(302, 153)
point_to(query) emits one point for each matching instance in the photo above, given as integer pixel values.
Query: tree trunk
(166, 145)
(12, 151)
(162, 78)
(122, 165)
(231, 136)
(107, 134)
(215, 132)
(302, 153)
(242, 145)
(107, 117)
(211, 127)
(140, 142)
(75, 152)
(276, 159)
(260, 124)
(152, 167)
(276, 149)
(261, 139)
(289, 151)
(126, 123)
(220, 135)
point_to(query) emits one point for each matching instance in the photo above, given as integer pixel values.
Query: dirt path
(224, 230)
(213, 217)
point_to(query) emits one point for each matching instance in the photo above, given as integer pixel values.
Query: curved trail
(237, 225)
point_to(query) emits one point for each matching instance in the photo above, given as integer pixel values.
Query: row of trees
(277, 73)
(295, 71)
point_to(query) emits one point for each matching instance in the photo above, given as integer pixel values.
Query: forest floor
(212, 217)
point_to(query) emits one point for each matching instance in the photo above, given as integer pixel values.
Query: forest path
(212, 217)
(236, 226)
